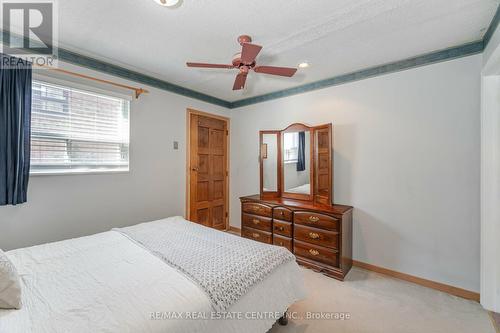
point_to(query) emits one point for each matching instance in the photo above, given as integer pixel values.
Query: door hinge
(227, 132)
(227, 214)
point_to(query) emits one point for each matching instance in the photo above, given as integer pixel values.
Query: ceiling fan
(244, 61)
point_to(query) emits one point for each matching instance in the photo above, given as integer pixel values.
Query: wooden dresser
(320, 236)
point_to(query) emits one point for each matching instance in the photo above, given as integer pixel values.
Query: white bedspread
(223, 266)
(106, 283)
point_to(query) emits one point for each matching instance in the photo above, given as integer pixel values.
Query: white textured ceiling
(334, 36)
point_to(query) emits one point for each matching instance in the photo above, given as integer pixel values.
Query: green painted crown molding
(427, 59)
(118, 71)
(491, 29)
(434, 57)
(422, 60)
(104, 67)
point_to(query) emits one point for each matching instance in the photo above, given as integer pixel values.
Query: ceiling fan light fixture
(169, 3)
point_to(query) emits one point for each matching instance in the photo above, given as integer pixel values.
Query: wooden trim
(494, 321)
(471, 295)
(206, 114)
(190, 112)
(138, 91)
(234, 230)
(296, 127)
(329, 127)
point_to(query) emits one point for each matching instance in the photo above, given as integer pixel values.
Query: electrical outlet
(176, 145)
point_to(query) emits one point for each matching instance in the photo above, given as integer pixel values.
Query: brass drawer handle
(279, 228)
(256, 208)
(313, 235)
(313, 252)
(313, 218)
(255, 235)
(255, 221)
(282, 213)
(281, 244)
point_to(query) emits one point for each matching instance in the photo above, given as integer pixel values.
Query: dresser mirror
(269, 163)
(296, 163)
(295, 208)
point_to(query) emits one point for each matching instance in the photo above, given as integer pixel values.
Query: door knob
(194, 169)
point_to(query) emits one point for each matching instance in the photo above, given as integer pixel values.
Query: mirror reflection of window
(296, 158)
(291, 147)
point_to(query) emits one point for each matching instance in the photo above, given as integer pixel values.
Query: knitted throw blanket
(225, 266)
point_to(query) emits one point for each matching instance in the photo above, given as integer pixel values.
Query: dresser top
(334, 209)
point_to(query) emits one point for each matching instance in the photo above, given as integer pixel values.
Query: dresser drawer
(316, 253)
(257, 209)
(257, 235)
(317, 236)
(316, 220)
(283, 214)
(257, 222)
(283, 241)
(282, 228)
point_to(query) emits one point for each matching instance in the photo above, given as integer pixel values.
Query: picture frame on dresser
(295, 206)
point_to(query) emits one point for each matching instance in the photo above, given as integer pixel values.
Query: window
(291, 145)
(77, 131)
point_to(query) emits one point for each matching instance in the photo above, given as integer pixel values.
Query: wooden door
(208, 171)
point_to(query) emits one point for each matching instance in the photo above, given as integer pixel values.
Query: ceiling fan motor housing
(238, 63)
(244, 39)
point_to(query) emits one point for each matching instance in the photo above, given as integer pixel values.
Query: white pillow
(10, 285)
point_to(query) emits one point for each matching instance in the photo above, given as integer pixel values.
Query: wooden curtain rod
(138, 91)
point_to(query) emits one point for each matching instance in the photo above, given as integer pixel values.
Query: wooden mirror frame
(315, 196)
(277, 193)
(320, 197)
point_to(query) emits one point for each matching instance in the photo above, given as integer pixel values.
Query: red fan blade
(281, 71)
(202, 65)
(249, 53)
(239, 83)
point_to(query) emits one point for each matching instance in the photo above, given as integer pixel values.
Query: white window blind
(291, 147)
(77, 131)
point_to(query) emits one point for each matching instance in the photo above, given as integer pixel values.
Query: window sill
(291, 162)
(76, 172)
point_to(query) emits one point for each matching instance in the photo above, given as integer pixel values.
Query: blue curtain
(15, 129)
(301, 155)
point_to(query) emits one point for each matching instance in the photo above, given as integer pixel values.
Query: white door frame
(490, 176)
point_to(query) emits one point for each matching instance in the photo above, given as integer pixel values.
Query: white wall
(270, 163)
(61, 207)
(490, 194)
(407, 150)
(490, 176)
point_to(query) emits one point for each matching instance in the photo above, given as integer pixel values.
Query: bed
(110, 283)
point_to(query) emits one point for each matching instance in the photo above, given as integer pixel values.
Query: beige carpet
(380, 304)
